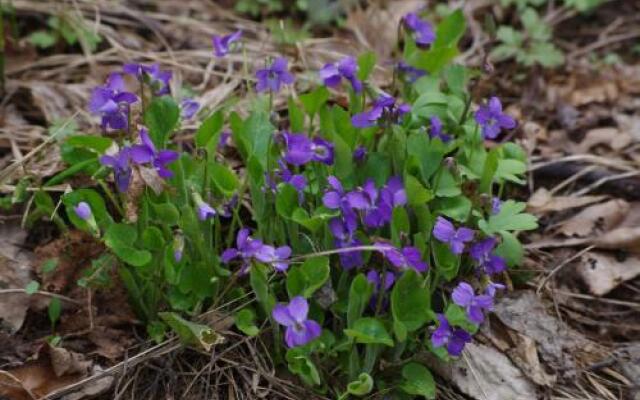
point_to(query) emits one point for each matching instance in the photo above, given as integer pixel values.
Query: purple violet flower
(490, 263)
(188, 108)
(301, 150)
(274, 76)
(407, 257)
(491, 288)
(112, 103)
(146, 152)
(464, 296)
(437, 131)
(454, 338)
(376, 279)
(383, 107)
(83, 210)
(152, 75)
(204, 210)
(120, 163)
(222, 44)
(298, 181)
(496, 205)
(224, 139)
(410, 73)
(359, 154)
(248, 248)
(492, 120)
(332, 74)
(300, 330)
(445, 232)
(422, 30)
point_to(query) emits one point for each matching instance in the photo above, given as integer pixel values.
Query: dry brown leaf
(598, 92)
(65, 362)
(618, 239)
(542, 201)
(602, 272)
(15, 273)
(484, 373)
(610, 136)
(602, 217)
(560, 348)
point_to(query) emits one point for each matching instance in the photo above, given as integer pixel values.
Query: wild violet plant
(355, 237)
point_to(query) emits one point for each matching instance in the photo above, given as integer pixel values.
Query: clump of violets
(300, 149)
(146, 152)
(482, 253)
(445, 232)
(273, 77)
(347, 68)
(249, 249)
(464, 296)
(492, 119)
(223, 44)
(422, 30)
(120, 162)
(294, 316)
(112, 102)
(385, 108)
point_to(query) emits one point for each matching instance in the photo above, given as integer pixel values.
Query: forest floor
(569, 327)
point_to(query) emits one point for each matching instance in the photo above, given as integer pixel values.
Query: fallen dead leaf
(619, 238)
(610, 136)
(602, 217)
(484, 373)
(597, 92)
(15, 273)
(65, 362)
(543, 201)
(602, 272)
(561, 348)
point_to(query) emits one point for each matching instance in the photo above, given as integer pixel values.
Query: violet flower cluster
(112, 102)
(385, 109)
(249, 249)
(347, 68)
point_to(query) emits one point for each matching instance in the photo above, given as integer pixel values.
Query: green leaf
(209, 129)
(166, 213)
(457, 316)
(456, 208)
(359, 295)
(152, 238)
(369, 331)
(417, 194)
(300, 364)
(120, 238)
(510, 249)
(450, 30)
(363, 385)
(296, 117)
(366, 63)
(312, 101)
(42, 39)
(192, 333)
(510, 218)
(224, 179)
(260, 286)
(49, 265)
(161, 118)
(446, 262)
(305, 279)
(410, 301)
(399, 224)
(54, 311)
(418, 381)
(286, 200)
(510, 170)
(95, 201)
(315, 221)
(245, 322)
(32, 287)
(99, 144)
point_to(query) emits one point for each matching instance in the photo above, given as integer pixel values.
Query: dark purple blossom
(301, 150)
(223, 142)
(332, 74)
(112, 102)
(248, 249)
(359, 154)
(422, 30)
(407, 257)
(188, 108)
(436, 130)
(146, 152)
(385, 108)
(152, 75)
(222, 44)
(294, 316)
(274, 76)
(464, 296)
(454, 338)
(83, 210)
(120, 163)
(382, 283)
(482, 253)
(492, 120)
(410, 73)
(445, 232)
